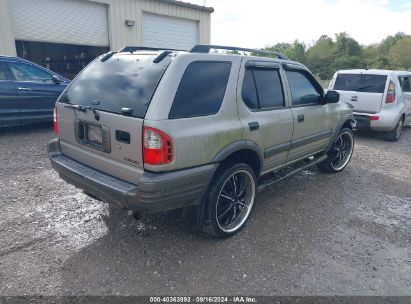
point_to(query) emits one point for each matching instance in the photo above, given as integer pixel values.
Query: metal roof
(189, 5)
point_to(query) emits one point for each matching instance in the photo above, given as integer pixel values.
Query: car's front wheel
(230, 200)
(340, 153)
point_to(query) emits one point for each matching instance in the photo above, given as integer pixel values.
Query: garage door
(169, 32)
(60, 21)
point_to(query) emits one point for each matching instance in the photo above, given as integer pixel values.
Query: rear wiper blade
(365, 87)
(77, 107)
(84, 109)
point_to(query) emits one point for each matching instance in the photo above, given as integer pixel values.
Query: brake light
(390, 93)
(55, 122)
(157, 147)
(374, 117)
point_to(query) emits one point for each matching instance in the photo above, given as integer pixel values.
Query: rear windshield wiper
(77, 107)
(365, 87)
(84, 109)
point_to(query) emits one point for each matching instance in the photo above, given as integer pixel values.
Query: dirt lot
(314, 234)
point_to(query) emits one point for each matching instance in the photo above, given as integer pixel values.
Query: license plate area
(93, 135)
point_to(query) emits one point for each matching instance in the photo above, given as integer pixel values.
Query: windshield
(361, 83)
(122, 81)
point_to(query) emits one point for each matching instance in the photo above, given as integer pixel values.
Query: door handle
(253, 126)
(300, 118)
(24, 89)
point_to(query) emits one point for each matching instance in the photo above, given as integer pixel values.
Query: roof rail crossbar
(144, 48)
(205, 48)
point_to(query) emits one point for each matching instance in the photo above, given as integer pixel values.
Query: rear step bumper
(155, 192)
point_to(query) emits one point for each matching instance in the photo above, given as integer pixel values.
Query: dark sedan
(28, 92)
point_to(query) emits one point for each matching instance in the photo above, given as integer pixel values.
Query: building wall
(118, 12)
(7, 45)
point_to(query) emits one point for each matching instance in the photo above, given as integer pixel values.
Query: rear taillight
(157, 147)
(55, 122)
(390, 93)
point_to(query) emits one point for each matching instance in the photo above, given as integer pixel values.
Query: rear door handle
(300, 118)
(24, 89)
(254, 126)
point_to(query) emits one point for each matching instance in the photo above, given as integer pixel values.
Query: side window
(27, 72)
(201, 90)
(262, 89)
(4, 72)
(405, 82)
(249, 91)
(302, 90)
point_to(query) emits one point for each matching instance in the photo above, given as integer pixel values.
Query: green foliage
(400, 53)
(328, 55)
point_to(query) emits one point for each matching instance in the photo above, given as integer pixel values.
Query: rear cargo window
(201, 90)
(361, 83)
(122, 81)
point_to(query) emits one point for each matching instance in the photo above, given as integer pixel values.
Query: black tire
(216, 200)
(395, 134)
(340, 154)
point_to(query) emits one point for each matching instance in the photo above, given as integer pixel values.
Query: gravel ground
(313, 234)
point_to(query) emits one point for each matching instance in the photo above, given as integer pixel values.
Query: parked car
(151, 131)
(28, 91)
(381, 99)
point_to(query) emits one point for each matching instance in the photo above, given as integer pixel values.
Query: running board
(296, 168)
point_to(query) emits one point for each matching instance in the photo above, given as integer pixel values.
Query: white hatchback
(381, 98)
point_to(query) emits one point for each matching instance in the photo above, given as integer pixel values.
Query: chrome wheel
(341, 151)
(235, 201)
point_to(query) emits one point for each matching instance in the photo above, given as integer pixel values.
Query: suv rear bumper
(155, 192)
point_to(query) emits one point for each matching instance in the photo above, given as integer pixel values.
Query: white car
(381, 98)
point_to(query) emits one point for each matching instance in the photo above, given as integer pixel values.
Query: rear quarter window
(367, 83)
(201, 90)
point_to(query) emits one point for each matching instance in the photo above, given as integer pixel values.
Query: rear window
(123, 81)
(201, 90)
(361, 83)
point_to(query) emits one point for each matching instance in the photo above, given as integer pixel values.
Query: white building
(64, 35)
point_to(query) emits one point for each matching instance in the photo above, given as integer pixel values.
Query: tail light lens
(390, 93)
(55, 122)
(157, 147)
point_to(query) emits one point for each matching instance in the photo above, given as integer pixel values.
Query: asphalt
(313, 234)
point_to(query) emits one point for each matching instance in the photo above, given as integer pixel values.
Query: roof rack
(205, 48)
(144, 48)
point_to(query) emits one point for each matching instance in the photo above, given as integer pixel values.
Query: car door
(37, 91)
(264, 111)
(9, 107)
(405, 81)
(312, 119)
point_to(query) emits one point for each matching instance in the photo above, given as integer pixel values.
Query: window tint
(201, 90)
(4, 72)
(262, 89)
(123, 81)
(302, 90)
(405, 82)
(269, 89)
(249, 92)
(27, 72)
(361, 83)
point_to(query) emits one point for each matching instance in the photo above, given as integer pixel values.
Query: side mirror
(56, 79)
(332, 97)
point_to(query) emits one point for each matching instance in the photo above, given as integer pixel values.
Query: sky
(259, 23)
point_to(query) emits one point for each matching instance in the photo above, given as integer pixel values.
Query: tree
(347, 46)
(320, 56)
(400, 53)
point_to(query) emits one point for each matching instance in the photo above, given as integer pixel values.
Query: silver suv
(154, 130)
